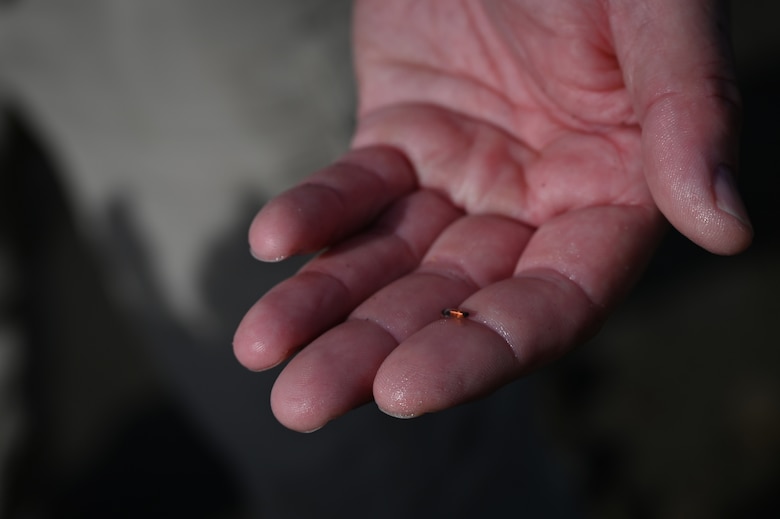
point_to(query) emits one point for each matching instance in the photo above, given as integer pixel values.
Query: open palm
(510, 160)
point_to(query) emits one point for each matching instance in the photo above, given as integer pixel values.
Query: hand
(511, 159)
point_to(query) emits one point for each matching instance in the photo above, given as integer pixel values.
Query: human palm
(510, 160)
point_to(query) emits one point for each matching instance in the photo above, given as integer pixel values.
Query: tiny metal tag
(454, 313)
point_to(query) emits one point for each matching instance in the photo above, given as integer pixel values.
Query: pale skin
(517, 160)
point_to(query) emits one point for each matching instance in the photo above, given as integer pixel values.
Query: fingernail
(402, 416)
(266, 260)
(727, 196)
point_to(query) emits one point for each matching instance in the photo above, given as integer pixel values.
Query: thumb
(678, 69)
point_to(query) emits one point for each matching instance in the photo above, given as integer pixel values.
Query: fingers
(331, 204)
(331, 285)
(336, 372)
(396, 347)
(573, 270)
(679, 71)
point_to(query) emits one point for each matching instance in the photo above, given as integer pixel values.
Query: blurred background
(138, 139)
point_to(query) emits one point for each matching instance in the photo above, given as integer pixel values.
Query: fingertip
(723, 234)
(710, 213)
(445, 364)
(245, 348)
(252, 343)
(277, 325)
(296, 411)
(244, 351)
(396, 398)
(299, 399)
(331, 204)
(712, 229)
(275, 232)
(331, 376)
(408, 383)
